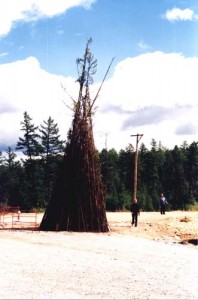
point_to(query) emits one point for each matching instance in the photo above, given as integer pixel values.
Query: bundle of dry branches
(78, 199)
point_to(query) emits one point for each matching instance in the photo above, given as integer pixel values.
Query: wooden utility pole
(106, 134)
(138, 137)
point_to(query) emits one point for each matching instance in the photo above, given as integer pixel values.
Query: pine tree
(50, 139)
(29, 144)
(78, 199)
(14, 178)
(192, 171)
(51, 148)
(1, 158)
(31, 149)
(179, 184)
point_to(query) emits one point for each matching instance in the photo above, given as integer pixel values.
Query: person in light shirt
(162, 204)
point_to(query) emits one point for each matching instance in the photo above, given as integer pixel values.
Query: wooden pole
(138, 137)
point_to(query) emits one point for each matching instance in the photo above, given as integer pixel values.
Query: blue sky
(151, 87)
(120, 28)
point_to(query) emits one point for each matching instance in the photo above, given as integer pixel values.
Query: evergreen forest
(28, 181)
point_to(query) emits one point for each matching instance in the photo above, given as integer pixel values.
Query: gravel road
(64, 265)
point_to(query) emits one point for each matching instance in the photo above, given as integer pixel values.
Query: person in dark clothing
(162, 204)
(135, 210)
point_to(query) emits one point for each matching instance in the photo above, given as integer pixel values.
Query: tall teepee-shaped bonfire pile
(78, 199)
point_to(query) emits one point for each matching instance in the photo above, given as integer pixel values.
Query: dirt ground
(174, 226)
(151, 261)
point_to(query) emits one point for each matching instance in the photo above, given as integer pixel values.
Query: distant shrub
(193, 206)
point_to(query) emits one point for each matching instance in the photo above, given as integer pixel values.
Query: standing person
(162, 203)
(135, 212)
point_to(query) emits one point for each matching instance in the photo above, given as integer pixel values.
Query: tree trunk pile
(78, 199)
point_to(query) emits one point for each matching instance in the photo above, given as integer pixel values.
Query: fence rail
(14, 218)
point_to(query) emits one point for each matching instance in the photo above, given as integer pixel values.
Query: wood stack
(78, 199)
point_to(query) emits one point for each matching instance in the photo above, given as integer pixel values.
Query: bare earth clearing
(151, 261)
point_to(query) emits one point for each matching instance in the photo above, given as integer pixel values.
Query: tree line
(28, 182)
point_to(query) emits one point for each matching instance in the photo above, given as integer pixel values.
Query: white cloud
(27, 10)
(27, 87)
(154, 94)
(177, 14)
(143, 46)
(150, 115)
(153, 79)
(187, 129)
(2, 54)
